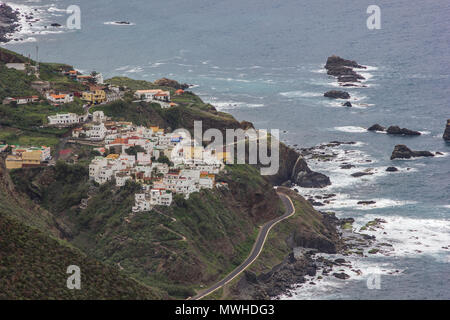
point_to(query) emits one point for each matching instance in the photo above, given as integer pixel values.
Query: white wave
(351, 129)
(227, 105)
(116, 23)
(233, 79)
(409, 237)
(322, 70)
(367, 68)
(55, 9)
(122, 68)
(412, 237)
(135, 70)
(301, 94)
(345, 202)
(328, 287)
(24, 40)
(443, 155)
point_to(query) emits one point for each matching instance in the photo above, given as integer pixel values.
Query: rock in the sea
(336, 94)
(391, 169)
(336, 61)
(55, 25)
(304, 177)
(341, 275)
(376, 127)
(339, 261)
(347, 104)
(343, 70)
(403, 152)
(347, 166)
(366, 202)
(361, 174)
(446, 135)
(312, 180)
(403, 131)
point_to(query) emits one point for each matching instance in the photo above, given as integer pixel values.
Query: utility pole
(37, 62)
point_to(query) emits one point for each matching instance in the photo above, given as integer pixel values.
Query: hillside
(34, 267)
(176, 250)
(34, 259)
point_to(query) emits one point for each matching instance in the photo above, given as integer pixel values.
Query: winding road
(257, 248)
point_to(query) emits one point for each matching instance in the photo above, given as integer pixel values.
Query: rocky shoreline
(311, 261)
(9, 19)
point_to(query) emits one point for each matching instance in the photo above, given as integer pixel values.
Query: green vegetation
(54, 216)
(14, 83)
(305, 225)
(131, 83)
(34, 267)
(171, 248)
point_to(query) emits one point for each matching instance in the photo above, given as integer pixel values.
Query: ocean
(262, 61)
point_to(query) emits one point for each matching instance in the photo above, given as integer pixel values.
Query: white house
(60, 98)
(65, 119)
(144, 158)
(16, 66)
(99, 116)
(121, 178)
(160, 197)
(142, 202)
(96, 132)
(152, 95)
(99, 78)
(21, 100)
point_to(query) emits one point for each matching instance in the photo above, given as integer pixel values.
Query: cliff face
(278, 267)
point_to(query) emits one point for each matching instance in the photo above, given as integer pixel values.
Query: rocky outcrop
(403, 152)
(164, 82)
(446, 135)
(394, 130)
(366, 202)
(8, 22)
(376, 127)
(391, 169)
(402, 131)
(348, 104)
(335, 62)
(336, 94)
(361, 174)
(304, 177)
(343, 70)
(295, 170)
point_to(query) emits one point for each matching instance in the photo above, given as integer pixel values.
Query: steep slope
(34, 266)
(174, 248)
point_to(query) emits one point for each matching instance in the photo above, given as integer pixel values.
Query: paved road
(257, 248)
